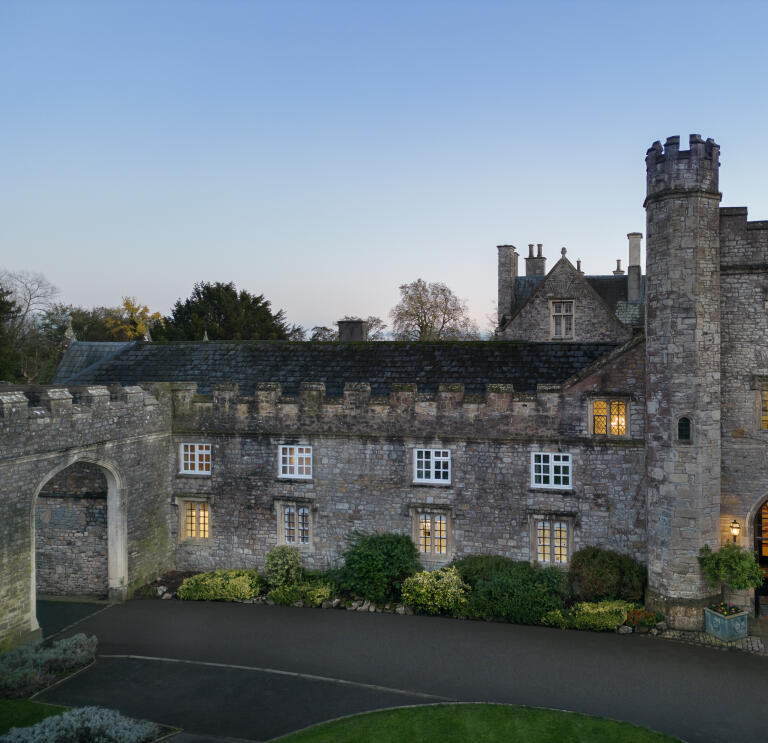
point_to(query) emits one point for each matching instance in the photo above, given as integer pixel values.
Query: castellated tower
(682, 372)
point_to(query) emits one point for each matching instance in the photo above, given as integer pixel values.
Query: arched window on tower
(684, 429)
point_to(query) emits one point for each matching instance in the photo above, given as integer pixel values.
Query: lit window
(195, 459)
(562, 319)
(293, 523)
(433, 533)
(552, 541)
(764, 407)
(195, 520)
(296, 461)
(551, 470)
(432, 465)
(609, 418)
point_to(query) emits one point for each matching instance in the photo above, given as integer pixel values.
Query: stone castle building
(625, 411)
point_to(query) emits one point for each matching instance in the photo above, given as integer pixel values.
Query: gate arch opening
(760, 531)
(79, 532)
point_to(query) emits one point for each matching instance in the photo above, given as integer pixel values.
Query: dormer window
(562, 318)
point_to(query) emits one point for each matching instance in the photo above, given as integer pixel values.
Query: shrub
(641, 617)
(439, 592)
(474, 568)
(521, 593)
(282, 566)
(602, 616)
(732, 565)
(221, 585)
(375, 565)
(595, 573)
(32, 667)
(311, 594)
(85, 724)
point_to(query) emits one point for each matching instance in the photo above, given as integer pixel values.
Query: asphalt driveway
(254, 672)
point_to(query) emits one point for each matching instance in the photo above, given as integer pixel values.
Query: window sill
(430, 484)
(194, 474)
(195, 540)
(294, 479)
(548, 489)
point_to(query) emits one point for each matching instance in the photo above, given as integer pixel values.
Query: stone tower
(682, 372)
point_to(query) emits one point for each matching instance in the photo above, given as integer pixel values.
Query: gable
(593, 320)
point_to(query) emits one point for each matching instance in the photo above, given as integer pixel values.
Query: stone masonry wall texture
(99, 466)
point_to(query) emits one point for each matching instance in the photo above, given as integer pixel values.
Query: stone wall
(593, 320)
(71, 545)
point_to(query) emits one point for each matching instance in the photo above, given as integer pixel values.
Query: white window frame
(545, 466)
(551, 539)
(553, 305)
(432, 465)
(292, 535)
(198, 504)
(192, 459)
(298, 469)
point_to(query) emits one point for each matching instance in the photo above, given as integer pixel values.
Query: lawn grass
(490, 723)
(18, 713)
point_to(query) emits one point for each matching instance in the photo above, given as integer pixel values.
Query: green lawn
(490, 723)
(18, 713)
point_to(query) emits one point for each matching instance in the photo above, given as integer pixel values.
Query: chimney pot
(618, 271)
(539, 246)
(530, 250)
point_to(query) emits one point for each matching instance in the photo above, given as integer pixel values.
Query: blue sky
(323, 153)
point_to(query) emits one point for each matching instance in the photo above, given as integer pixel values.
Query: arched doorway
(79, 545)
(760, 530)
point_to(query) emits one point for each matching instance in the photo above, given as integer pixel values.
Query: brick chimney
(535, 265)
(633, 268)
(353, 330)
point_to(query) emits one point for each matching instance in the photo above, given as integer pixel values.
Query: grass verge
(490, 723)
(19, 713)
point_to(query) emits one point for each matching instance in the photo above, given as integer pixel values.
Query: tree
(431, 312)
(87, 325)
(32, 294)
(224, 313)
(131, 320)
(8, 360)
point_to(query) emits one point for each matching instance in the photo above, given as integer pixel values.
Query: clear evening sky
(323, 153)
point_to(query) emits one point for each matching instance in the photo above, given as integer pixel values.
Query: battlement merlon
(672, 171)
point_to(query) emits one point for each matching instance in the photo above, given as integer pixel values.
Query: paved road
(254, 672)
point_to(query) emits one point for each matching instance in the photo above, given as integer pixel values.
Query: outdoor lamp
(735, 529)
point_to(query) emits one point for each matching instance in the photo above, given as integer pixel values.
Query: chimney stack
(535, 265)
(618, 271)
(353, 330)
(634, 286)
(507, 273)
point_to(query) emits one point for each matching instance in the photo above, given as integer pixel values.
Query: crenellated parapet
(37, 419)
(671, 170)
(500, 412)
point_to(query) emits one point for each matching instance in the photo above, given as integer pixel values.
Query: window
(432, 533)
(195, 520)
(294, 523)
(551, 541)
(684, 429)
(296, 461)
(550, 470)
(562, 319)
(195, 459)
(432, 465)
(764, 407)
(609, 418)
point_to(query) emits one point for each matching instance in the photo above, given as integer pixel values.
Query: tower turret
(682, 371)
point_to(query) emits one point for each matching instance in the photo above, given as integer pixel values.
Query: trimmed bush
(32, 667)
(282, 566)
(309, 593)
(85, 724)
(440, 592)
(595, 574)
(375, 566)
(222, 585)
(522, 593)
(602, 616)
(733, 565)
(474, 568)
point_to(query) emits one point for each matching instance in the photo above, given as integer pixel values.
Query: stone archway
(100, 545)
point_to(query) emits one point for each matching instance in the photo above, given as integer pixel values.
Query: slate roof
(381, 364)
(80, 355)
(612, 290)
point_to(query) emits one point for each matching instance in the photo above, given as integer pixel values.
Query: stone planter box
(733, 627)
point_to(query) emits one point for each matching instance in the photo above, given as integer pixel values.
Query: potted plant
(736, 568)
